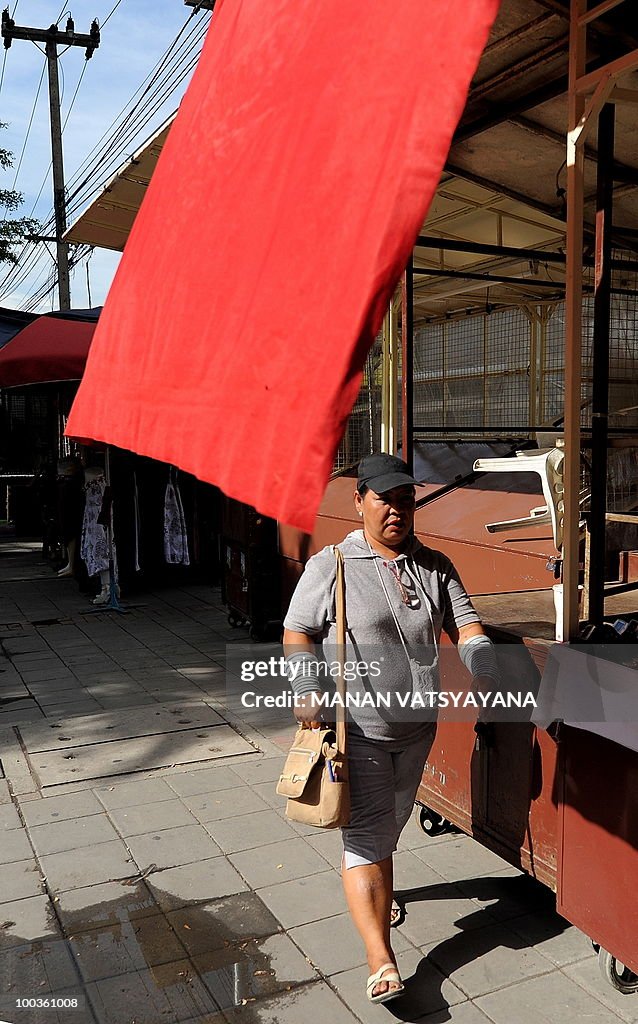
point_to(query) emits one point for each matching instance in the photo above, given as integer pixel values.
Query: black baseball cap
(382, 472)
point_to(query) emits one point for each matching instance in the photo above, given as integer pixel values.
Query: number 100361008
(49, 1002)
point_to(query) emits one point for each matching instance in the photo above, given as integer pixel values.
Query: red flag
(281, 213)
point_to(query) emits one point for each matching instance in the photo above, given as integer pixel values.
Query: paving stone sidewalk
(180, 893)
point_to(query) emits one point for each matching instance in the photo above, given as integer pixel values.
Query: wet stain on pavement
(129, 962)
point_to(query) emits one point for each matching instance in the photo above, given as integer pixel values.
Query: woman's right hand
(308, 712)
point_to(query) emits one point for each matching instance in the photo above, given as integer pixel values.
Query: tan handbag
(315, 775)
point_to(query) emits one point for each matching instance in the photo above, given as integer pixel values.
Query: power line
(168, 74)
(26, 138)
(111, 13)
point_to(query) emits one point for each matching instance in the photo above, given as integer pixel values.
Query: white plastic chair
(548, 463)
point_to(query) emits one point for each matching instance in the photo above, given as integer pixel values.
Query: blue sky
(132, 42)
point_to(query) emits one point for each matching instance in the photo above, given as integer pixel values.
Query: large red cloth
(281, 213)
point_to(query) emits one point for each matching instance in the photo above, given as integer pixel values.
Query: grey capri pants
(383, 786)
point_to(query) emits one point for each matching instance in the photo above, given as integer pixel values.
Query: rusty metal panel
(454, 524)
(503, 794)
(598, 869)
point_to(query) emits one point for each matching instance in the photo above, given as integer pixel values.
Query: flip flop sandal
(391, 976)
(397, 914)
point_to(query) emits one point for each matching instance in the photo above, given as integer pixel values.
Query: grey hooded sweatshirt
(423, 589)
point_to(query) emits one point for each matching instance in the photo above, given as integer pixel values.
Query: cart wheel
(234, 621)
(433, 824)
(257, 634)
(615, 972)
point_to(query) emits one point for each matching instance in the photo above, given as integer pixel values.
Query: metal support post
(407, 354)
(59, 199)
(52, 37)
(573, 322)
(600, 391)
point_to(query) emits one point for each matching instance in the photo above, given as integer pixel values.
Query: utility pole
(52, 37)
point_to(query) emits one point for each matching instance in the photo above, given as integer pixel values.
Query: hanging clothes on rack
(94, 547)
(175, 535)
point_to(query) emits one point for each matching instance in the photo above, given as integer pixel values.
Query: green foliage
(13, 230)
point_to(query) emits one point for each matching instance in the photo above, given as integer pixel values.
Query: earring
(360, 513)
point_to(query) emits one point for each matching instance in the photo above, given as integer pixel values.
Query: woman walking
(399, 596)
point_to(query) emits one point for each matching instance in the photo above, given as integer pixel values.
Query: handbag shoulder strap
(341, 648)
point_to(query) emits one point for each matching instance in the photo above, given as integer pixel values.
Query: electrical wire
(4, 59)
(36, 253)
(135, 119)
(26, 139)
(172, 68)
(111, 14)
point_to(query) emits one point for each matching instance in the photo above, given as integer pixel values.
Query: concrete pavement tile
(253, 970)
(12, 686)
(125, 947)
(36, 969)
(440, 911)
(60, 697)
(334, 944)
(103, 862)
(329, 844)
(413, 837)
(14, 846)
(107, 903)
(136, 821)
(27, 921)
(410, 872)
(215, 925)
(314, 1002)
(60, 808)
(5, 795)
(553, 937)
(204, 780)
(268, 769)
(304, 900)
(137, 700)
(28, 715)
(226, 803)
(79, 707)
(128, 794)
(426, 989)
(459, 1013)
(508, 896)
(185, 844)
(463, 858)
(195, 883)
(183, 691)
(484, 959)
(111, 691)
(250, 831)
(20, 880)
(307, 831)
(9, 818)
(587, 975)
(167, 993)
(266, 790)
(278, 862)
(546, 1000)
(31, 660)
(24, 644)
(72, 834)
(78, 1012)
(56, 673)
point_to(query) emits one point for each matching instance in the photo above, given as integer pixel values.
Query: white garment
(175, 536)
(94, 546)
